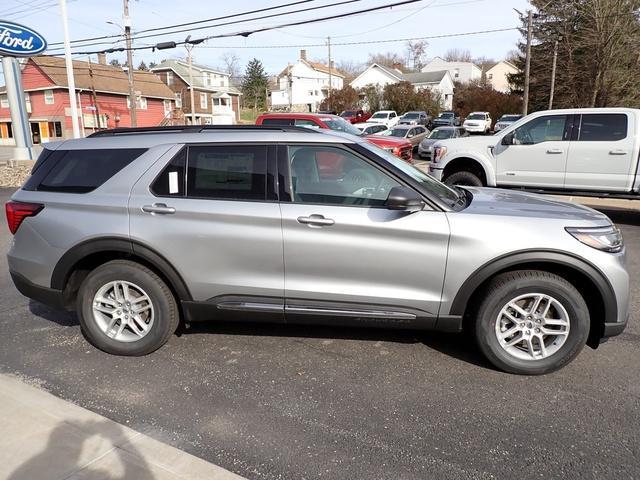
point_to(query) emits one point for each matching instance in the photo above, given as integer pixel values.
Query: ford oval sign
(19, 41)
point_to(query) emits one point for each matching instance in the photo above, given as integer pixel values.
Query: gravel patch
(14, 176)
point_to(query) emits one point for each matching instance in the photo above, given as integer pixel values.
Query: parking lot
(274, 401)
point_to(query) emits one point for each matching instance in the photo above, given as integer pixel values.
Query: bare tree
(231, 63)
(457, 55)
(388, 59)
(350, 69)
(416, 52)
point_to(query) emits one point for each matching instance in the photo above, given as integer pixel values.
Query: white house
(497, 75)
(439, 82)
(304, 85)
(460, 71)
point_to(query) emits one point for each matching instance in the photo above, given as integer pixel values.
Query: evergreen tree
(152, 65)
(143, 66)
(254, 85)
(597, 64)
(115, 62)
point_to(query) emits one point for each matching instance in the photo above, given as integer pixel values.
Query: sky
(424, 18)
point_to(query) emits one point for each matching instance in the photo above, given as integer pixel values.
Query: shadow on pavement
(61, 317)
(62, 450)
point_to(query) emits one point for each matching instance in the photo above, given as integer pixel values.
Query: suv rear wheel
(531, 322)
(126, 309)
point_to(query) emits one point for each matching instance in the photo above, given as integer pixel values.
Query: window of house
(167, 106)
(603, 127)
(27, 101)
(178, 100)
(169, 78)
(456, 73)
(217, 171)
(48, 97)
(203, 100)
(141, 103)
(332, 176)
(490, 76)
(4, 101)
(222, 82)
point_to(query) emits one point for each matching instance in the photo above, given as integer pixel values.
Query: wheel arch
(75, 264)
(588, 279)
(471, 163)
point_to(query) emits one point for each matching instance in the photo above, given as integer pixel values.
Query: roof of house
(106, 78)
(414, 78)
(319, 67)
(504, 62)
(181, 69)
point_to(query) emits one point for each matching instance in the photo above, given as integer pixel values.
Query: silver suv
(140, 229)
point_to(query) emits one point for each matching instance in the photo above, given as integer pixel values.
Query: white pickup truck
(592, 151)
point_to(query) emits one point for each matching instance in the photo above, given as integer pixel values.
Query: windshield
(341, 125)
(446, 115)
(348, 113)
(510, 118)
(395, 132)
(476, 116)
(380, 115)
(451, 197)
(411, 115)
(441, 133)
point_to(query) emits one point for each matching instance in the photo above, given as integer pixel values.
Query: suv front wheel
(126, 309)
(531, 322)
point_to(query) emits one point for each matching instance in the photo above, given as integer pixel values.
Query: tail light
(18, 211)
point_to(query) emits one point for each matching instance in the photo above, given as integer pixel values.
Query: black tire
(463, 178)
(166, 316)
(510, 285)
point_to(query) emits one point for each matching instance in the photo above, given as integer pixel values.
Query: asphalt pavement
(287, 402)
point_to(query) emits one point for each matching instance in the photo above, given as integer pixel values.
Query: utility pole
(95, 97)
(69, 65)
(127, 35)
(330, 99)
(553, 74)
(527, 65)
(189, 47)
(290, 86)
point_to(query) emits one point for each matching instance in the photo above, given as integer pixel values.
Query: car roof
(139, 138)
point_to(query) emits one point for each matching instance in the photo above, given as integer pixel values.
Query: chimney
(102, 58)
(332, 65)
(303, 54)
(398, 66)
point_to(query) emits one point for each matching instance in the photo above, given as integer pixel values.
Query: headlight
(439, 153)
(607, 239)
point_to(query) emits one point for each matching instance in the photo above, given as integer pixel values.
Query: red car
(355, 116)
(400, 148)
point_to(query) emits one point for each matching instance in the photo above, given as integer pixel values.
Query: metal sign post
(18, 41)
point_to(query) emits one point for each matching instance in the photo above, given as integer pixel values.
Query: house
(498, 75)
(438, 82)
(102, 95)
(216, 100)
(462, 72)
(303, 86)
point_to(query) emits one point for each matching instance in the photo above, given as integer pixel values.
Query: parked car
(591, 151)
(400, 148)
(505, 120)
(113, 227)
(370, 128)
(387, 117)
(425, 148)
(413, 133)
(355, 116)
(478, 122)
(447, 119)
(416, 118)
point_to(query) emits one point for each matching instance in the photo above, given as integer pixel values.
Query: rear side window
(602, 127)
(80, 171)
(234, 172)
(170, 183)
(277, 121)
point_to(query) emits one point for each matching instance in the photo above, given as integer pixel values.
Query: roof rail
(196, 129)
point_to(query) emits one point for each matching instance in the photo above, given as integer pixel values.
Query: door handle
(617, 152)
(316, 220)
(160, 208)
(555, 151)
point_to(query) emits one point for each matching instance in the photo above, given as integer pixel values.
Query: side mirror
(508, 139)
(403, 198)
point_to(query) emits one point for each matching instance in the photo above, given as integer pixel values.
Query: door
(218, 225)
(538, 154)
(345, 252)
(601, 155)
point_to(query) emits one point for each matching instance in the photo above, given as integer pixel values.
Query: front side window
(227, 172)
(549, 128)
(332, 176)
(603, 127)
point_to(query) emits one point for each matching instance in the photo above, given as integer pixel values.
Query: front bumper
(435, 172)
(474, 128)
(425, 154)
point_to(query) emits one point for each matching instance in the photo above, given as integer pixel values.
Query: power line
(249, 12)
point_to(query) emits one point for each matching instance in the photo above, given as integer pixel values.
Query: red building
(101, 94)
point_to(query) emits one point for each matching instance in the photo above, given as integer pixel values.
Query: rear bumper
(48, 296)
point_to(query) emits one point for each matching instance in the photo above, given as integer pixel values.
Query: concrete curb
(47, 437)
